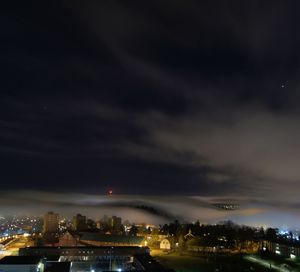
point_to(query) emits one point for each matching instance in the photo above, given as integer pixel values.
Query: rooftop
(58, 267)
(20, 260)
(122, 239)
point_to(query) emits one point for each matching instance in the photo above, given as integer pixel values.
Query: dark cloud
(163, 98)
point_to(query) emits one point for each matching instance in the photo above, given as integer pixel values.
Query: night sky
(188, 98)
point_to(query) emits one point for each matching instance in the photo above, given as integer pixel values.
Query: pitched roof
(122, 239)
(73, 233)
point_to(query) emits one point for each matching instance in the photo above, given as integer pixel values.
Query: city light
(292, 256)
(150, 137)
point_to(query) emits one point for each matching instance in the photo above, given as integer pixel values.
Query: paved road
(262, 262)
(13, 247)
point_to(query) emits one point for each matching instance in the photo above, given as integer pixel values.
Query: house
(165, 244)
(69, 238)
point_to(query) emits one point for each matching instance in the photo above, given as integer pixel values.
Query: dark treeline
(224, 234)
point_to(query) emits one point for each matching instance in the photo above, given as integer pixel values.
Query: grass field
(213, 263)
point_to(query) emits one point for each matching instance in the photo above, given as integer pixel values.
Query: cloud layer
(159, 99)
(149, 209)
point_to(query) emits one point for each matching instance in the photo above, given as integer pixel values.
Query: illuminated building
(165, 244)
(51, 221)
(90, 258)
(286, 250)
(79, 222)
(115, 222)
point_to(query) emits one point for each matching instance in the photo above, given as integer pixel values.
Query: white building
(165, 244)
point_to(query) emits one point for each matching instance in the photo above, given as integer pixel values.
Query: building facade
(22, 264)
(281, 249)
(51, 222)
(69, 239)
(79, 222)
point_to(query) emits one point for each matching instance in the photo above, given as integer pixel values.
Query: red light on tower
(110, 192)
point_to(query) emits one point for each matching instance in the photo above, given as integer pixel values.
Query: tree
(91, 224)
(271, 234)
(133, 230)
